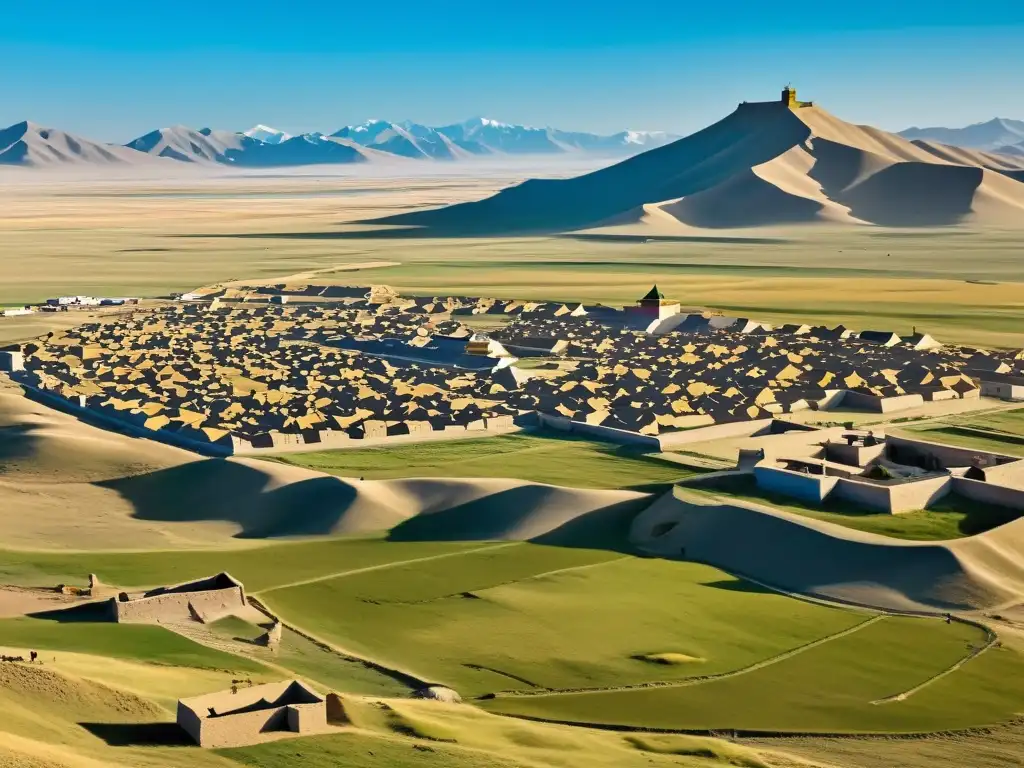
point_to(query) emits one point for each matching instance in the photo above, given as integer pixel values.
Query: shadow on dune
(218, 489)
(820, 559)
(285, 501)
(139, 734)
(518, 514)
(17, 442)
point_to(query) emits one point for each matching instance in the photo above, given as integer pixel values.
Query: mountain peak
(267, 134)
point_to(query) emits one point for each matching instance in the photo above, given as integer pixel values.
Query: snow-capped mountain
(263, 146)
(482, 135)
(267, 134)
(990, 135)
(404, 139)
(239, 149)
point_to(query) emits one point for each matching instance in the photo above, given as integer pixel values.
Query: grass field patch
(258, 568)
(488, 621)
(952, 517)
(541, 458)
(827, 688)
(137, 642)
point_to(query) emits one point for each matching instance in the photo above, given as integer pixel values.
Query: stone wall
(895, 497)
(798, 485)
(987, 493)
(947, 455)
(175, 606)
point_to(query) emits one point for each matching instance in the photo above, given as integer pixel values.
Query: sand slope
(763, 165)
(66, 484)
(811, 557)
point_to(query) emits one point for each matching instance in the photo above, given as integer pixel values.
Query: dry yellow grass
(150, 239)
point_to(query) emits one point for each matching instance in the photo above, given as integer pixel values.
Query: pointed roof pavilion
(654, 294)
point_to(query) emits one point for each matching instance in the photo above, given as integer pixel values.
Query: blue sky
(114, 70)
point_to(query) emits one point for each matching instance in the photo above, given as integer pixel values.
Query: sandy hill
(764, 165)
(65, 484)
(29, 144)
(811, 557)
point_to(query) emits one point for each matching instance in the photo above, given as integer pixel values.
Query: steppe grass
(542, 458)
(257, 567)
(534, 616)
(329, 669)
(829, 688)
(137, 642)
(1011, 444)
(414, 734)
(950, 518)
(357, 750)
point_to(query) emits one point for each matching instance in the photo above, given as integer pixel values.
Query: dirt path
(701, 680)
(385, 566)
(992, 640)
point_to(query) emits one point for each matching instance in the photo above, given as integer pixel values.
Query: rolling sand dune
(66, 484)
(811, 557)
(763, 165)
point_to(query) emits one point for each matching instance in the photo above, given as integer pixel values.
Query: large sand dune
(763, 165)
(811, 557)
(66, 484)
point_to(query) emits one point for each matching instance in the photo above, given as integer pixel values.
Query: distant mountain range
(262, 146)
(996, 135)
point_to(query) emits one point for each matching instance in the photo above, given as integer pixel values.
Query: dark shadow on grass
(470, 232)
(139, 734)
(739, 585)
(645, 238)
(86, 613)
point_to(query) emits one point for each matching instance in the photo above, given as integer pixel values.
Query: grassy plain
(136, 642)
(530, 616)
(950, 518)
(463, 737)
(958, 284)
(258, 567)
(547, 458)
(833, 687)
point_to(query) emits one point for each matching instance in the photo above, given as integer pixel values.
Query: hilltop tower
(789, 99)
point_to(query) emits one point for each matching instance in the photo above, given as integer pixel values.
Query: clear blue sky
(113, 70)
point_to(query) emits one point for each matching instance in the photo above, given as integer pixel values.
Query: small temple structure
(653, 306)
(789, 99)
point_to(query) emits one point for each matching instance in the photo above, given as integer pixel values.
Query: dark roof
(653, 295)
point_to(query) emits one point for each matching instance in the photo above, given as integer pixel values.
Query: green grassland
(136, 642)
(542, 458)
(955, 283)
(356, 750)
(996, 431)
(257, 567)
(950, 518)
(312, 661)
(828, 688)
(410, 735)
(516, 618)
